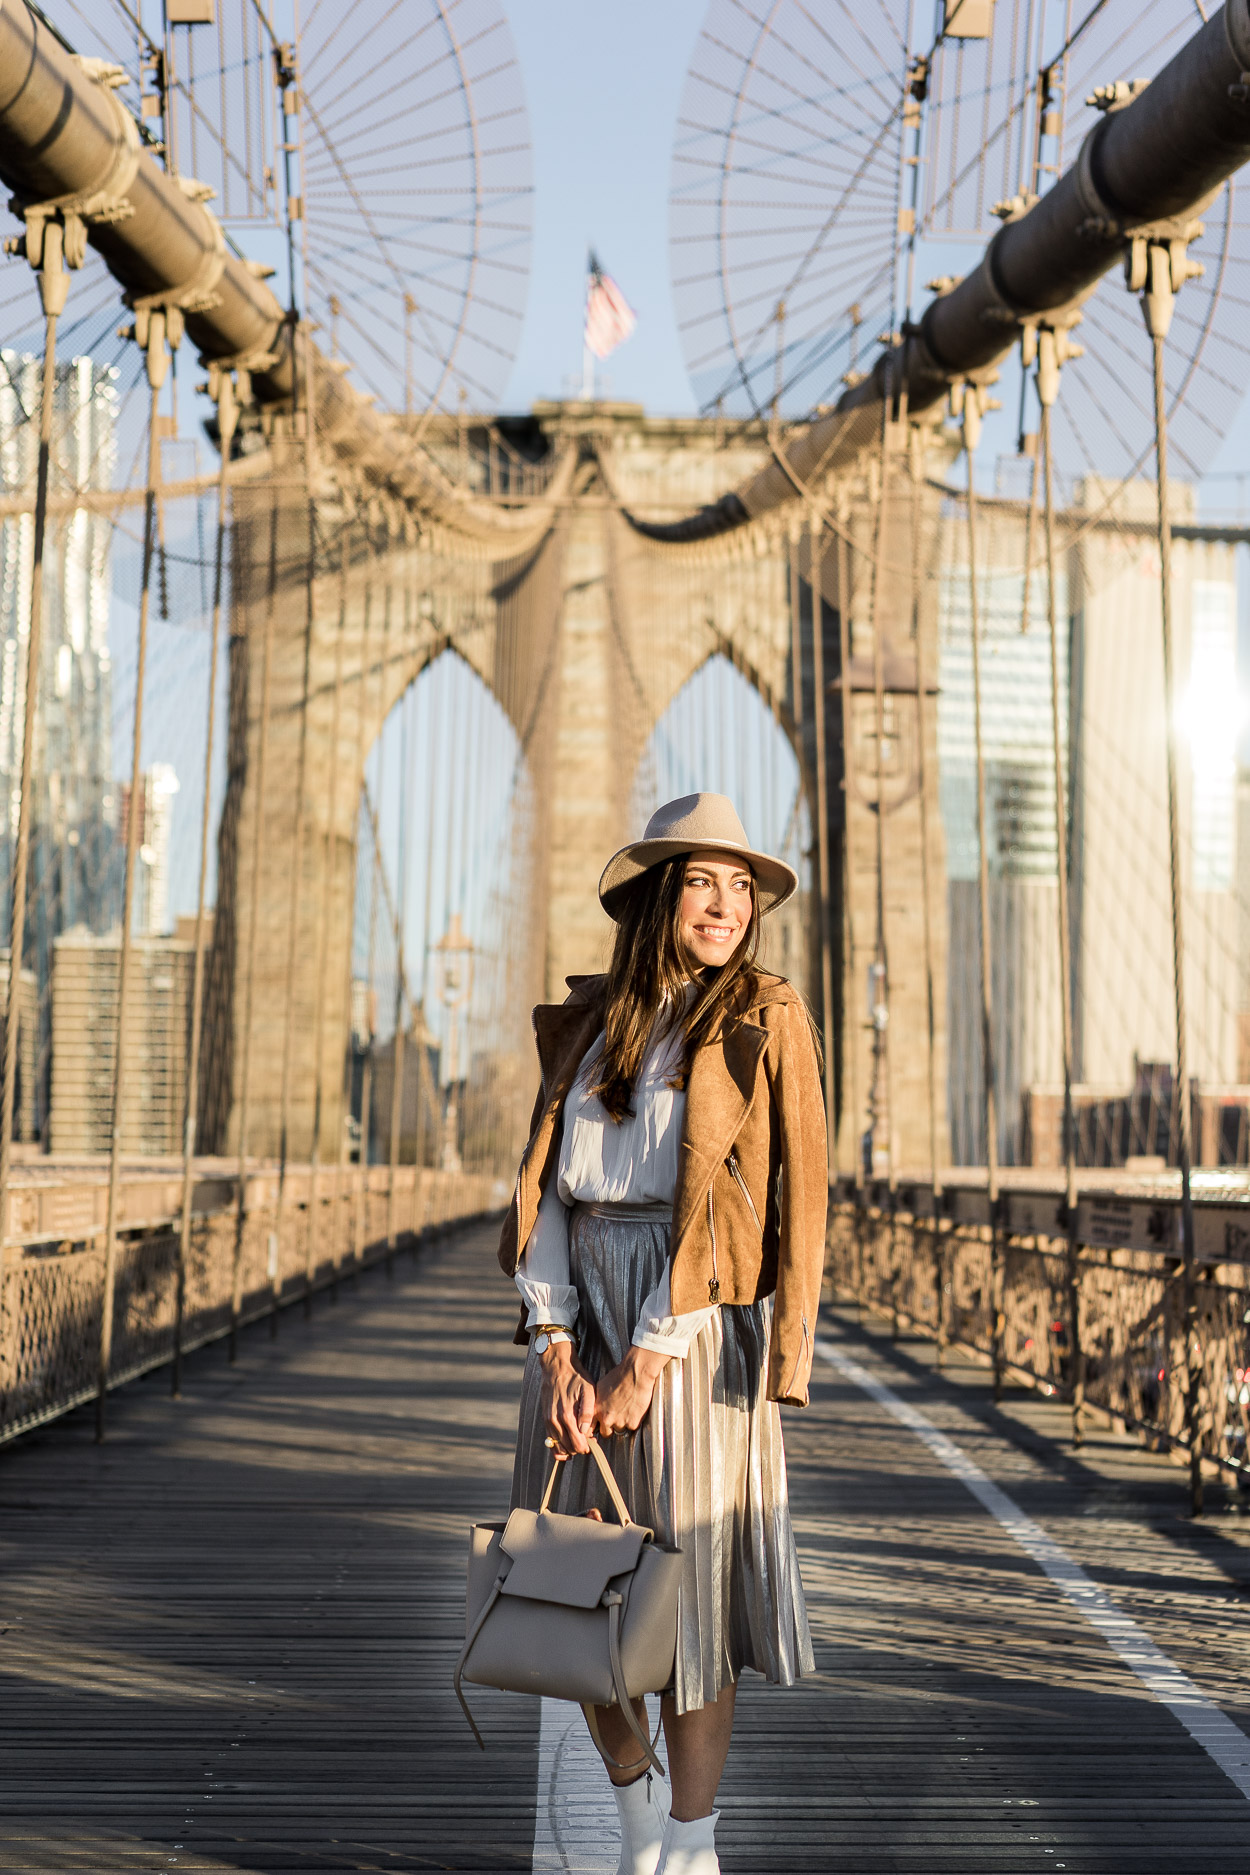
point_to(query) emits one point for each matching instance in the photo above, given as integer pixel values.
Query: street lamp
(454, 956)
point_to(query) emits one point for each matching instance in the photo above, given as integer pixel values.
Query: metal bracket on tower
(969, 401)
(1157, 265)
(1049, 347)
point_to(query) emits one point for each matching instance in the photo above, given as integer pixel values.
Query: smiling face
(716, 907)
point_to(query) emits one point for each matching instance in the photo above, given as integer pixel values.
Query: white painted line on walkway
(1200, 1716)
(575, 1823)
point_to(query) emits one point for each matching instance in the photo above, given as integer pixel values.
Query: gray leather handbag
(571, 1608)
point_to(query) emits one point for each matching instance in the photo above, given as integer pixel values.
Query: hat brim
(775, 882)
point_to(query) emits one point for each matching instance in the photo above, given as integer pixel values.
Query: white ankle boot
(644, 1808)
(690, 1848)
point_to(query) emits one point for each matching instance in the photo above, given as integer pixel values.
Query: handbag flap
(569, 1560)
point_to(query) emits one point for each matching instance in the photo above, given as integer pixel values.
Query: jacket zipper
(741, 1183)
(798, 1357)
(713, 1288)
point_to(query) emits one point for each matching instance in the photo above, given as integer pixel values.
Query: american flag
(609, 317)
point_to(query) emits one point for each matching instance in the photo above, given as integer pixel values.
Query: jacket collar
(564, 1031)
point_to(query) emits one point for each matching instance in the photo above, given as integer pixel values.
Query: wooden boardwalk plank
(227, 1636)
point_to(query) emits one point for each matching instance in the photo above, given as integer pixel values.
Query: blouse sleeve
(543, 1278)
(662, 1331)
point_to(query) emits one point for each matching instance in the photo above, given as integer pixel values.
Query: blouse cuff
(663, 1332)
(552, 1303)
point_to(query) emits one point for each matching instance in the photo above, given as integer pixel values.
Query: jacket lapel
(719, 1095)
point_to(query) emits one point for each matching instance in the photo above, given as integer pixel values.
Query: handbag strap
(623, 1700)
(467, 1649)
(614, 1492)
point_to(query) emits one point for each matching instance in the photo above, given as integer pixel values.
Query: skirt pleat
(706, 1470)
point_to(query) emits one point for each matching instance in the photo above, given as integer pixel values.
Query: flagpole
(609, 321)
(588, 357)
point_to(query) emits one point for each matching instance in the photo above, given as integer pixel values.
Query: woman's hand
(568, 1400)
(624, 1397)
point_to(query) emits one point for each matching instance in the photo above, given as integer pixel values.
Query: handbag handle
(618, 1502)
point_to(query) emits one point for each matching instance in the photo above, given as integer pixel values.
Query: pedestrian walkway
(226, 1637)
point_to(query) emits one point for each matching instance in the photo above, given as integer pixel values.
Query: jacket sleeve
(799, 1104)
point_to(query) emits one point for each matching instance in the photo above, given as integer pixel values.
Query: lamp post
(454, 955)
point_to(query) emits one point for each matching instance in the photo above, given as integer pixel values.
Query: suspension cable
(972, 409)
(329, 847)
(1157, 303)
(253, 919)
(850, 1027)
(156, 363)
(880, 1099)
(295, 906)
(401, 939)
(1073, 1268)
(820, 704)
(227, 420)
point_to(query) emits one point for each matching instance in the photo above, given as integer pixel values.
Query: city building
(75, 874)
(154, 1048)
(1112, 748)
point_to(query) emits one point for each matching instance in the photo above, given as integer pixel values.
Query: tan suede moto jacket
(752, 1191)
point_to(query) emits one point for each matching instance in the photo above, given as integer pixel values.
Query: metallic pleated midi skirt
(706, 1470)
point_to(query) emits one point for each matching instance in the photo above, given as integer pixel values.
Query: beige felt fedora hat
(695, 823)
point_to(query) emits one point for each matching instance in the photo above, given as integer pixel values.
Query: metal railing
(1087, 1307)
(52, 1282)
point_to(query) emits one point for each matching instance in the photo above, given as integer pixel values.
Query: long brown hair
(651, 968)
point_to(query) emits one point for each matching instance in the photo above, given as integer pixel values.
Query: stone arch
(343, 646)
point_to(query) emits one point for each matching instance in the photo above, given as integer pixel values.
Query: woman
(667, 1236)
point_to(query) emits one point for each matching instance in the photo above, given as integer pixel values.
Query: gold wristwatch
(548, 1335)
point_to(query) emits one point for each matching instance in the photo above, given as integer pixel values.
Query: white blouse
(603, 1162)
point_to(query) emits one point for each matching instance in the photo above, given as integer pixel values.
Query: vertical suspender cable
(227, 419)
(397, 1043)
(1030, 529)
(819, 706)
(253, 919)
(54, 290)
(972, 429)
(362, 1182)
(796, 627)
(882, 1089)
(361, 1221)
(295, 908)
(850, 1028)
(411, 632)
(1157, 304)
(1065, 929)
(437, 719)
(323, 938)
(926, 907)
(157, 359)
(362, 750)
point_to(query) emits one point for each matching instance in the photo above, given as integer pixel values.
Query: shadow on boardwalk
(227, 1636)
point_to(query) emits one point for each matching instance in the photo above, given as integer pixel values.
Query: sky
(604, 86)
